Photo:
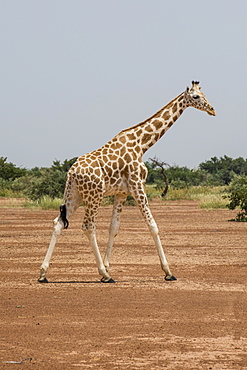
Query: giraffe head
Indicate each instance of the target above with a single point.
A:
(195, 98)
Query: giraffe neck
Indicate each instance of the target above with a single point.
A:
(148, 132)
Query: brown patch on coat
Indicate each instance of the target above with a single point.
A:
(166, 115)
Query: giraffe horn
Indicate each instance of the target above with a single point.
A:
(195, 83)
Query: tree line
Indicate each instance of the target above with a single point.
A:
(38, 182)
(213, 172)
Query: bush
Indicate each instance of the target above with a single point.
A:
(237, 194)
(50, 183)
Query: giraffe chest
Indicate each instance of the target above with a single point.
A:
(125, 179)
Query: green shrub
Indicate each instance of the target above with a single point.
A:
(108, 200)
(51, 182)
(10, 189)
(236, 193)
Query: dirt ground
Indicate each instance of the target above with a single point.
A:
(141, 321)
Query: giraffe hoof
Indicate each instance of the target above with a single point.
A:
(40, 280)
(103, 280)
(170, 278)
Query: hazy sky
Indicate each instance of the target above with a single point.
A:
(74, 73)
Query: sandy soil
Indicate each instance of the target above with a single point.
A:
(141, 322)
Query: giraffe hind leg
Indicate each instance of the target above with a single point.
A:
(89, 228)
(59, 223)
(116, 213)
(58, 226)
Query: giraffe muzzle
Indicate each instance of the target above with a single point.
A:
(211, 111)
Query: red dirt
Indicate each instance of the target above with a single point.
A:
(141, 322)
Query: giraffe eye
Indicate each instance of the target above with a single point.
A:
(196, 96)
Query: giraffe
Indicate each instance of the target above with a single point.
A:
(117, 169)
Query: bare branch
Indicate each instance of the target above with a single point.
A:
(162, 165)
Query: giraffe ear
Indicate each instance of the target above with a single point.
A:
(187, 89)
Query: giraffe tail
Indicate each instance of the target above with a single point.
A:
(63, 212)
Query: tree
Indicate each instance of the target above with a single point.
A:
(9, 171)
(162, 165)
(177, 177)
(225, 168)
(153, 173)
(63, 166)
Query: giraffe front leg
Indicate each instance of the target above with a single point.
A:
(106, 278)
(163, 261)
(142, 202)
(114, 227)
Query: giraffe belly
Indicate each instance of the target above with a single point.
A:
(119, 186)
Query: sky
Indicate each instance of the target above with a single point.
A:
(75, 73)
